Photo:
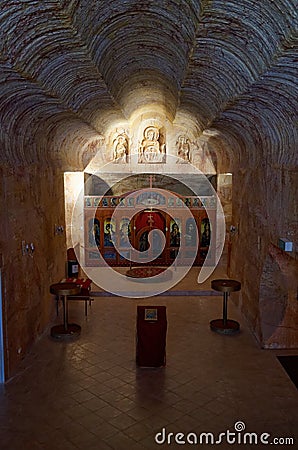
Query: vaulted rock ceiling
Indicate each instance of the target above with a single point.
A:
(72, 68)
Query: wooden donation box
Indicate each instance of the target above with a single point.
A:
(151, 336)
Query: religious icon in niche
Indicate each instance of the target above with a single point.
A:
(88, 202)
(94, 233)
(152, 148)
(125, 233)
(156, 242)
(96, 202)
(191, 235)
(114, 201)
(109, 233)
(174, 237)
(130, 201)
(171, 201)
(148, 198)
(105, 201)
(120, 146)
(174, 233)
(143, 241)
(196, 203)
(205, 233)
(122, 201)
(183, 149)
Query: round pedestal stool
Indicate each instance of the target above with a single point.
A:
(65, 330)
(225, 325)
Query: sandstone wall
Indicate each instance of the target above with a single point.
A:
(265, 209)
(32, 203)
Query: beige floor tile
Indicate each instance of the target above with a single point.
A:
(88, 394)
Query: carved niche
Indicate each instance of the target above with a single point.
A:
(183, 149)
(120, 149)
(152, 148)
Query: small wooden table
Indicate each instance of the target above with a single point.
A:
(66, 329)
(225, 325)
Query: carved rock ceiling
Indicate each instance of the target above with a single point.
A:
(70, 69)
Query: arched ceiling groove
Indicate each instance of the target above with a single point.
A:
(29, 119)
(236, 42)
(130, 40)
(71, 68)
(40, 41)
(267, 113)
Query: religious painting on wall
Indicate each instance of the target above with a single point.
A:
(196, 203)
(175, 236)
(191, 234)
(143, 241)
(114, 201)
(94, 233)
(122, 201)
(175, 226)
(88, 202)
(150, 198)
(130, 201)
(96, 202)
(109, 232)
(152, 148)
(171, 202)
(105, 201)
(124, 233)
(205, 233)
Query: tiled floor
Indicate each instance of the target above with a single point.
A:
(88, 394)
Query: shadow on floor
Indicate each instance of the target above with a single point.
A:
(290, 364)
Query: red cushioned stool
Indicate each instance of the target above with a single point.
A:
(84, 295)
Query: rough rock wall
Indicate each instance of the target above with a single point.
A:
(32, 203)
(265, 209)
(278, 300)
